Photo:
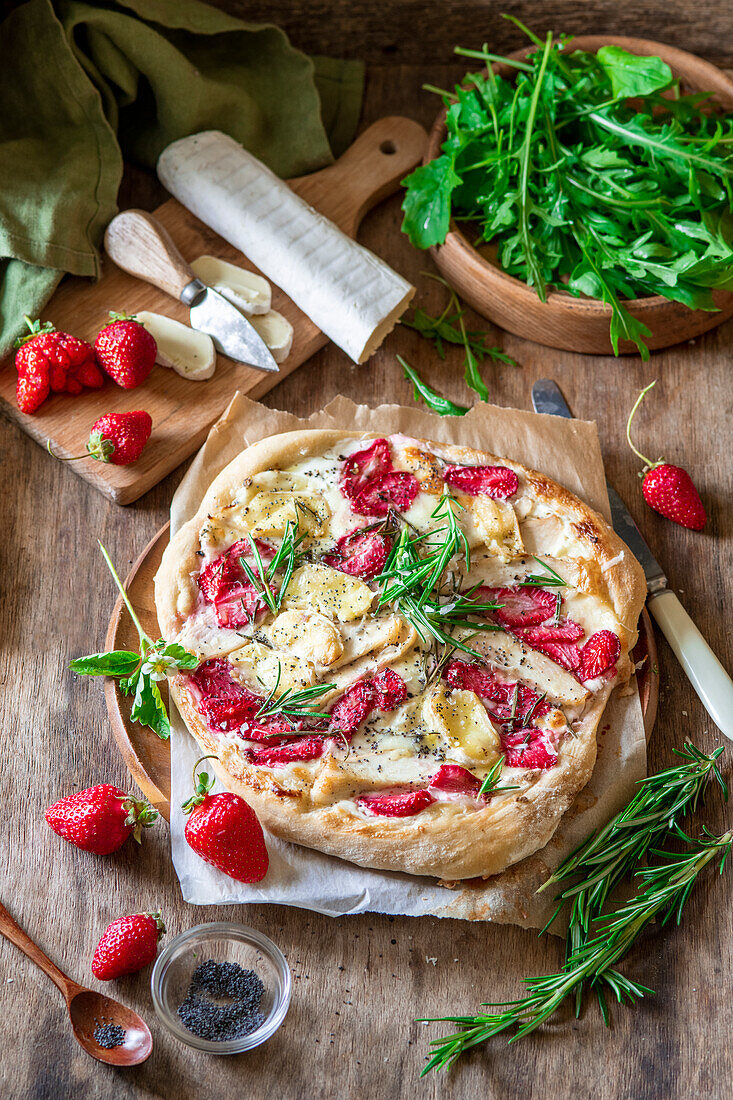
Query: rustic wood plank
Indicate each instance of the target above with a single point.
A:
(359, 982)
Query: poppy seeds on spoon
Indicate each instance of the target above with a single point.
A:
(109, 1035)
(223, 1002)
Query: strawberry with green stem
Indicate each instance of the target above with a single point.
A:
(668, 489)
(139, 673)
(224, 831)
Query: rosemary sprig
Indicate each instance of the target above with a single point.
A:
(665, 889)
(596, 939)
(292, 703)
(284, 559)
(490, 784)
(548, 579)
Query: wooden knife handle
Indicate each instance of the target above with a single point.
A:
(141, 246)
(13, 932)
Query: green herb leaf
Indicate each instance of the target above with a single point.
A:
(631, 75)
(427, 202)
(118, 662)
(433, 400)
(148, 707)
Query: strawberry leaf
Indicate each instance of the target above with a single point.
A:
(181, 656)
(148, 707)
(119, 662)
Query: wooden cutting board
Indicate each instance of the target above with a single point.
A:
(148, 758)
(182, 410)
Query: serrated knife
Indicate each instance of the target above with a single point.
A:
(705, 672)
(138, 244)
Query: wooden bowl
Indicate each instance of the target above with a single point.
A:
(579, 324)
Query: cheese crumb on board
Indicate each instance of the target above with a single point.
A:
(348, 292)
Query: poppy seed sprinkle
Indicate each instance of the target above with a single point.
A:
(223, 1002)
(109, 1035)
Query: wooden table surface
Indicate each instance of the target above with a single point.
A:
(360, 982)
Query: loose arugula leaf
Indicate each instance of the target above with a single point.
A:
(118, 662)
(433, 400)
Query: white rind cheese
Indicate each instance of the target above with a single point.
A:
(247, 291)
(185, 350)
(353, 296)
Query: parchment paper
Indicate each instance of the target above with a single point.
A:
(567, 450)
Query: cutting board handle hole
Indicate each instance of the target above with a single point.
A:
(388, 148)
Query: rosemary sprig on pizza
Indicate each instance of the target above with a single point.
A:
(403, 648)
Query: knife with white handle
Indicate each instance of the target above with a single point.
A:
(141, 246)
(705, 672)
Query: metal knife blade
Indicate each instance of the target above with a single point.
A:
(547, 397)
(230, 330)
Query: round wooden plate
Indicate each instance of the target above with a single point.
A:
(148, 758)
(579, 324)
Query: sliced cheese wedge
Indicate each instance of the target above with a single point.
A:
(328, 591)
(189, 353)
(347, 291)
(507, 654)
(309, 635)
(276, 331)
(247, 291)
(261, 668)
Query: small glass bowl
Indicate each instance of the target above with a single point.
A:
(224, 942)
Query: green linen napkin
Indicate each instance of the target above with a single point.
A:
(84, 85)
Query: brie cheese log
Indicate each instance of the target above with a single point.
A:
(188, 352)
(353, 296)
(248, 292)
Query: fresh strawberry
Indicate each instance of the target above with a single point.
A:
(119, 438)
(353, 708)
(495, 481)
(395, 803)
(224, 831)
(125, 350)
(668, 489)
(565, 630)
(528, 748)
(453, 779)
(127, 945)
(47, 360)
(390, 690)
(598, 655)
(521, 606)
(396, 489)
(100, 819)
(307, 748)
(360, 554)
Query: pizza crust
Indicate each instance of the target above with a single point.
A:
(448, 840)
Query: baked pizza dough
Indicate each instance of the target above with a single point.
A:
(445, 616)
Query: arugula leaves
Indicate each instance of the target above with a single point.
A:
(433, 400)
(585, 176)
(139, 673)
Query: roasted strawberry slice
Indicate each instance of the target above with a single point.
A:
(353, 708)
(216, 578)
(360, 554)
(307, 748)
(396, 489)
(395, 803)
(240, 605)
(469, 677)
(362, 466)
(214, 678)
(228, 714)
(528, 748)
(270, 731)
(495, 481)
(598, 655)
(224, 702)
(521, 606)
(453, 779)
(566, 654)
(390, 690)
(564, 631)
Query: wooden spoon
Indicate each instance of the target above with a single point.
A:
(86, 1008)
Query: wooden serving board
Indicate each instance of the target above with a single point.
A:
(182, 410)
(148, 758)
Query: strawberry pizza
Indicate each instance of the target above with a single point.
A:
(404, 648)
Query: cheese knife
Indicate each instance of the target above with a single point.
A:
(140, 245)
(705, 672)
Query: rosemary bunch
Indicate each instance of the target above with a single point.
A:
(596, 939)
(285, 559)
